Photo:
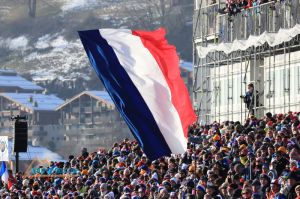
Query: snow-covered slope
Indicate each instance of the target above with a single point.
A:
(47, 47)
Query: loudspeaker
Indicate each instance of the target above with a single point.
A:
(21, 136)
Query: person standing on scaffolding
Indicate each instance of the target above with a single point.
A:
(249, 99)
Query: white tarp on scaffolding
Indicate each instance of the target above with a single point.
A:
(272, 39)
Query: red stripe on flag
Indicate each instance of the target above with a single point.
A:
(168, 61)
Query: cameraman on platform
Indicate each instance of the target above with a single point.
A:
(249, 99)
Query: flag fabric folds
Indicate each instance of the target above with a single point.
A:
(140, 71)
(4, 173)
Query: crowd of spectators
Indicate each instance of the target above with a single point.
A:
(254, 159)
(234, 7)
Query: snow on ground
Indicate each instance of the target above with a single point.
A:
(52, 56)
(59, 43)
(71, 5)
(43, 42)
(61, 60)
(17, 43)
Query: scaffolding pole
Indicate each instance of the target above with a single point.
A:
(274, 76)
(228, 84)
(231, 98)
(219, 89)
(269, 81)
(194, 75)
(241, 87)
(215, 89)
(201, 89)
(289, 77)
(255, 81)
(284, 77)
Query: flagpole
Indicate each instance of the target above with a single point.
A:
(17, 162)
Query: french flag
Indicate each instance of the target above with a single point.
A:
(140, 71)
(4, 173)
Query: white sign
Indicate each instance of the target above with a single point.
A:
(4, 148)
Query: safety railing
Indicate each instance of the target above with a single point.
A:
(205, 21)
(268, 17)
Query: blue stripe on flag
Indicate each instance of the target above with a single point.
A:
(3, 168)
(125, 95)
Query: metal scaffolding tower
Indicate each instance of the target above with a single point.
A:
(220, 78)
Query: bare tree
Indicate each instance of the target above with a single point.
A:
(162, 8)
(174, 15)
(153, 13)
(32, 8)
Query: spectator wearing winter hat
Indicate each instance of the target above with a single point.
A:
(294, 154)
(265, 182)
(256, 187)
(269, 117)
(163, 193)
(174, 183)
(103, 190)
(212, 191)
(275, 188)
(142, 192)
(293, 182)
(200, 191)
(256, 196)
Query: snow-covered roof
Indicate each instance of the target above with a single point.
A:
(102, 95)
(18, 81)
(34, 101)
(7, 71)
(186, 65)
(98, 95)
(36, 152)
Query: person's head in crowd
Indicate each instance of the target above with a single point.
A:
(297, 190)
(264, 180)
(294, 154)
(293, 178)
(223, 189)
(173, 195)
(256, 196)
(256, 186)
(247, 193)
(211, 190)
(163, 193)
